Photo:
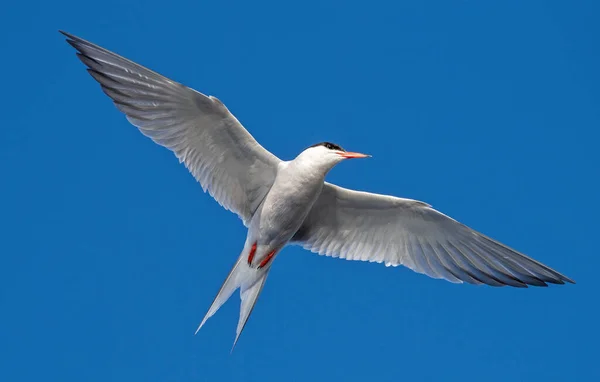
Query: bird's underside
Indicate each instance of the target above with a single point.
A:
(240, 174)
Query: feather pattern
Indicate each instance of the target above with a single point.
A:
(223, 157)
(357, 225)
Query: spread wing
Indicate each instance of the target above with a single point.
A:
(223, 157)
(362, 226)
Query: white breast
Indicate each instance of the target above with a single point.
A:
(286, 205)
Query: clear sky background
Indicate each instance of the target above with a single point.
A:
(111, 253)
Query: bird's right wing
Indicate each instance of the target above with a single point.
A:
(362, 226)
(223, 157)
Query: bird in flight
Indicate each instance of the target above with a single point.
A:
(289, 202)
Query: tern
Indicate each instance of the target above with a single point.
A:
(289, 202)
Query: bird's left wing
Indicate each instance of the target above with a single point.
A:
(363, 226)
(223, 157)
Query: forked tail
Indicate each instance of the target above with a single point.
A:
(249, 295)
(250, 281)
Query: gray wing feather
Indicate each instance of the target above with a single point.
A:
(223, 157)
(362, 226)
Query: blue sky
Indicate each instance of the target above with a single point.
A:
(112, 254)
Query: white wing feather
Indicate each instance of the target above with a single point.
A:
(358, 225)
(225, 159)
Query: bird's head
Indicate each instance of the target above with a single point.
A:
(325, 155)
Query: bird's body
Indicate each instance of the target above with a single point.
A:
(289, 202)
(296, 188)
(297, 185)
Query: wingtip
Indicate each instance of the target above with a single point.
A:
(66, 34)
(570, 281)
(71, 40)
(562, 279)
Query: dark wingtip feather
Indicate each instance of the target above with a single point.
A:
(70, 38)
(561, 280)
(77, 42)
(74, 44)
(88, 61)
(570, 281)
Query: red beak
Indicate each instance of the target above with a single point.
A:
(350, 155)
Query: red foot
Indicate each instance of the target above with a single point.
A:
(266, 260)
(252, 252)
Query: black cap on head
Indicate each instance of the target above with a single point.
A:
(330, 146)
